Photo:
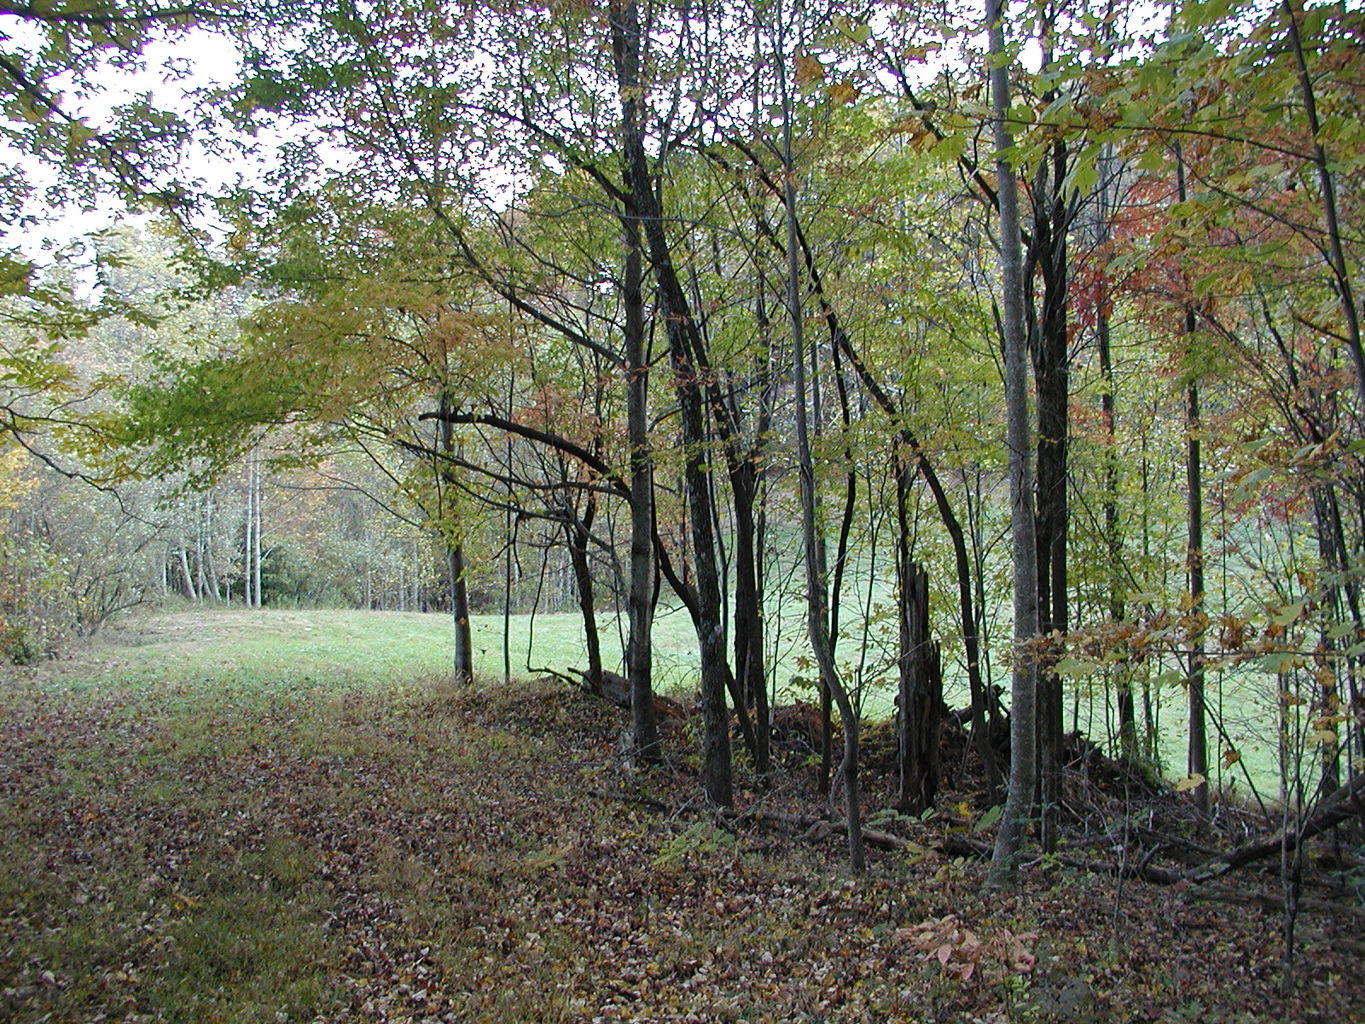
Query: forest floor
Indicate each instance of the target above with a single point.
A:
(175, 846)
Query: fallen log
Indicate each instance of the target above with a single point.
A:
(815, 828)
(1340, 805)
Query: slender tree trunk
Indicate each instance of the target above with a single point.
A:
(817, 611)
(625, 33)
(462, 653)
(200, 553)
(640, 603)
(578, 532)
(1329, 699)
(251, 543)
(187, 574)
(748, 616)
(507, 576)
(1349, 593)
(1198, 753)
(1023, 717)
(1051, 377)
(215, 584)
(1336, 254)
(462, 645)
(1199, 742)
(258, 495)
(746, 483)
(920, 701)
(1113, 527)
(248, 520)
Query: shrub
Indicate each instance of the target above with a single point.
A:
(20, 645)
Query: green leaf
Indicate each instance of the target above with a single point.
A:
(989, 818)
(1289, 614)
(1279, 662)
(858, 31)
(1076, 668)
(1153, 159)
(950, 148)
(14, 276)
(1083, 177)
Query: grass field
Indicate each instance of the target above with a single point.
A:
(332, 649)
(361, 649)
(292, 816)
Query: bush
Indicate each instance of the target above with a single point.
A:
(20, 645)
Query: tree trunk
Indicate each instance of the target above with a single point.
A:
(1113, 526)
(1199, 742)
(748, 617)
(462, 655)
(187, 574)
(625, 38)
(1023, 717)
(578, 532)
(817, 611)
(1198, 753)
(215, 584)
(257, 494)
(640, 602)
(1051, 382)
(1336, 254)
(248, 520)
(920, 700)
(462, 646)
(251, 541)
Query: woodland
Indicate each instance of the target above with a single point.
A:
(981, 389)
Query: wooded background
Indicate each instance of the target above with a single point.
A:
(589, 307)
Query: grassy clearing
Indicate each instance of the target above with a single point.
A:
(245, 655)
(199, 822)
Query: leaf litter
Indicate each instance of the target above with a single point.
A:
(448, 856)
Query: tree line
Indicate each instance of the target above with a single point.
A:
(1034, 335)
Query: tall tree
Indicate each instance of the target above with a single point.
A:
(812, 544)
(1024, 687)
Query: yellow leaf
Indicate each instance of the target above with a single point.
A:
(1189, 782)
(809, 70)
(842, 93)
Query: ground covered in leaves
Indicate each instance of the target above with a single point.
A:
(184, 852)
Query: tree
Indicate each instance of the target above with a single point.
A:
(58, 62)
(1023, 690)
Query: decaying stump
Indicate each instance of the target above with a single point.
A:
(920, 700)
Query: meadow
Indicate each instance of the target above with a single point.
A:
(331, 648)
